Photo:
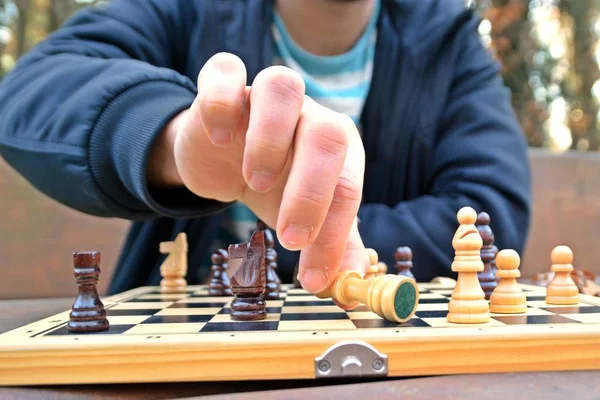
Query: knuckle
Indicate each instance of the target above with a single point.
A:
(267, 147)
(347, 191)
(311, 196)
(329, 240)
(215, 104)
(284, 84)
(329, 138)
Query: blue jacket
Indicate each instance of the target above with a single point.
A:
(79, 114)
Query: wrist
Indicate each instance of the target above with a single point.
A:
(162, 169)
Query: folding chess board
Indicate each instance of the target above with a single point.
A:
(156, 337)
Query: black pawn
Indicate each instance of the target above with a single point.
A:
(487, 277)
(273, 285)
(87, 313)
(219, 283)
(404, 261)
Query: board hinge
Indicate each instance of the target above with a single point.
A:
(351, 359)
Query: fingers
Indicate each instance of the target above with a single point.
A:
(276, 97)
(221, 87)
(322, 196)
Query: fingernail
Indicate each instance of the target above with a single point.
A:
(296, 235)
(220, 136)
(314, 281)
(261, 181)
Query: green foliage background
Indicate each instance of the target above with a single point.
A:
(548, 49)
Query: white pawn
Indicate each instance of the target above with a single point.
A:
(468, 304)
(373, 269)
(562, 289)
(508, 297)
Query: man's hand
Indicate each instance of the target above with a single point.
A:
(297, 165)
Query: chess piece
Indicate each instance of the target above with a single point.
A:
(373, 269)
(392, 297)
(248, 281)
(295, 278)
(404, 263)
(381, 268)
(508, 297)
(562, 290)
(219, 283)
(273, 286)
(174, 268)
(487, 277)
(87, 313)
(468, 304)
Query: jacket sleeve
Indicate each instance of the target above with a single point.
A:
(479, 159)
(80, 112)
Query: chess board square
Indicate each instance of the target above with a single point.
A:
(431, 296)
(308, 303)
(158, 291)
(443, 300)
(207, 299)
(112, 330)
(443, 292)
(177, 319)
(269, 310)
(432, 307)
(534, 319)
(111, 312)
(432, 314)
(363, 315)
(310, 309)
(443, 323)
(236, 326)
(535, 297)
(543, 304)
(127, 319)
(323, 325)
(591, 318)
(574, 310)
(150, 299)
(274, 303)
(384, 323)
(530, 311)
(198, 305)
(189, 311)
(146, 305)
(219, 318)
(298, 292)
(314, 316)
(165, 329)
(361, 308)
(162, 296)
(310, 298)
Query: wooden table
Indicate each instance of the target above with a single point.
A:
(549, 386)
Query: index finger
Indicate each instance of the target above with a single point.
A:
(335, 247)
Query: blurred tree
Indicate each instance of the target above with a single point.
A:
(580, 15)
(548, 57)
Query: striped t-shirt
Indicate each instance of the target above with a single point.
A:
(340, 83)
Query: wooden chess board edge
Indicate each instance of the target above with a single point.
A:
(167, 363)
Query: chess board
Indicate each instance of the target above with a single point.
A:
(156, 337)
